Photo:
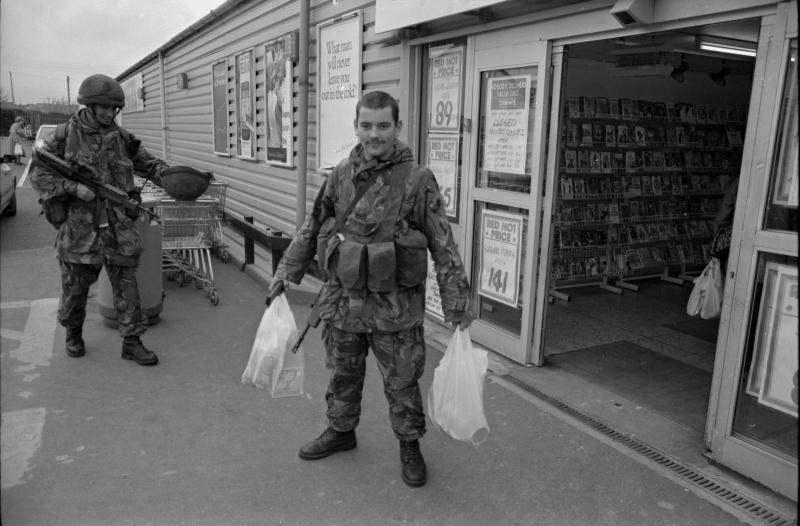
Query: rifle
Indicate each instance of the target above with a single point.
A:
(312, 320)
(76, 173)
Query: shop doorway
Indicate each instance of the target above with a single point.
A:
(651, 135)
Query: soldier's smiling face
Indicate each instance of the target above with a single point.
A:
(376, 130)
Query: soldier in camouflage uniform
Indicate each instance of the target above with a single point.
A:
(92, 232)
(374, 294)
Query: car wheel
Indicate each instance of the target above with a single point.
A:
(11, 209)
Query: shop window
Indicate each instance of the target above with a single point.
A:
(498, 269)
(766, 407)
(507, 111)
(782, 198)
(442, 111)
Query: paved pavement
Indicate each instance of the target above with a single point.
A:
(102, 441)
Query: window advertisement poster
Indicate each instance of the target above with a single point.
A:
(501, 247)
(219, 104)
(506, 138)
(134, 93)
(443, 162)
(446, 83)
(778, 382)
(245, 106)
(280, 125)
(339, 78)
(433, 302)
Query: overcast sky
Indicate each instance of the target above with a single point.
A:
(44, 41)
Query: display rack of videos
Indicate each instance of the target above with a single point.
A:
(640, 183)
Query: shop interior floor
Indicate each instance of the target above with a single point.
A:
(667, 386)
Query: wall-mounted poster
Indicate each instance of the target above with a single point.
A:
(339, 79)
(501, 247)
(245, 106)
(443, 162)
(506, 138)
(280, 125)
(219, 105)
(445, 86)
(134, 93)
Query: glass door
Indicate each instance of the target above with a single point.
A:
(752, 423)
(506, 165)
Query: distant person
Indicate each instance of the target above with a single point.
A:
(374, 295)
(18, 134)
(723, 225)
(98, 233)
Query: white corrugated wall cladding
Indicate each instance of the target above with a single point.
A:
(255, 188)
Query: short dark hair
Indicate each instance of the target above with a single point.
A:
(376, 100)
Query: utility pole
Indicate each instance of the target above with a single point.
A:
(11, 79)
(68, 102)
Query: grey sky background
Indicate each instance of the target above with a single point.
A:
(44, 41)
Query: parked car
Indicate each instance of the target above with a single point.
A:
(8, 191)
(42, 133)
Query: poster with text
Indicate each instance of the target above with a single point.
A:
(280, 125)
(501, 246)
(506, 132)
(339, 78)
(445, 74)
(443, 162)
(219, 104)
(433, 302)
(245, 106)
(778, 388)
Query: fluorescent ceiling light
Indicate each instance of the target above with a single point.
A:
(725, 45)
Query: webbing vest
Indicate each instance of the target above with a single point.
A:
(371, 250)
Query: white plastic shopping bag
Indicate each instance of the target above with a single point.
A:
(272, 365)
(455, 399)
(18, 150)
(706, 297)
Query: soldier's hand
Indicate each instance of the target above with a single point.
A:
(465, 321)
(276, 288)
(83, 192)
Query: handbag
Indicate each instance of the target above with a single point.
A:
(455, 399)
(705, 300)
(272, 365)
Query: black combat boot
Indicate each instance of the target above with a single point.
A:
(330, 441)
(414, 472)
(75, 346)
(133, 349)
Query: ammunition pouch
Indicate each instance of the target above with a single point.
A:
(411, 249)
(381, 267)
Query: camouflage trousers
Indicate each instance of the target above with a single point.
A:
(401, 361)
(76, 278)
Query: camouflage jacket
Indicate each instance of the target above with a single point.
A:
(113, 152)
(422, 208)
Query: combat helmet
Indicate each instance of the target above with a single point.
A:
(101, 89)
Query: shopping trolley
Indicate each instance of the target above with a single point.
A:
(216, 194)
(187, 239)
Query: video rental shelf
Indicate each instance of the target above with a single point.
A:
(640, 183)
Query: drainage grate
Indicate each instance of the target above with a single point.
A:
(727, 496)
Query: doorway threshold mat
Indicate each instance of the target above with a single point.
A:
(697, 327)
(667, 386)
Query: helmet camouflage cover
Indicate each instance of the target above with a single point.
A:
(101, 89)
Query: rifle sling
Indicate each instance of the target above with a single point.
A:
(360, 191)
